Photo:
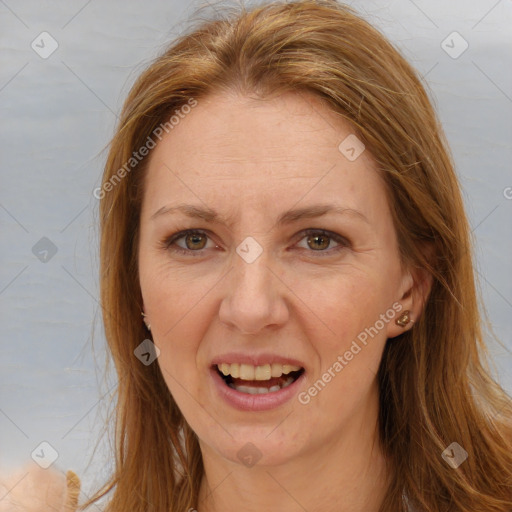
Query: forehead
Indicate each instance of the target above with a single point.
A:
(253, 131)
(242, 153)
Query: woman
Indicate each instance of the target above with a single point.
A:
(280, 204)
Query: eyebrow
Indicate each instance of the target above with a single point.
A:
(210, 215)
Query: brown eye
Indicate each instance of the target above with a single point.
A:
(195, 241)
(322, 242)
(188, 242)
(318, 242)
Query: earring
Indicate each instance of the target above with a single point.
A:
(148, 326)
(404, 319)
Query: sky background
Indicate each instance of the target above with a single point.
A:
(57, 114)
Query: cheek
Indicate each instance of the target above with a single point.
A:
(340, 305)
(347, 335)
(348, 346)
(180, 313)
(178, 337)
(174, 296)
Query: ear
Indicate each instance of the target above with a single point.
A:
(413, 295)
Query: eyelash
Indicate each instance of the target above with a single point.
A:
(167, 242)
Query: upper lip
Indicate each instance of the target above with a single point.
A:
(255, 359)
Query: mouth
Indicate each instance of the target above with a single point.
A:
(258, 380)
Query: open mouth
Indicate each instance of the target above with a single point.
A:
(265, 383)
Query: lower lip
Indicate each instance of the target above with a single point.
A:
(247, 402)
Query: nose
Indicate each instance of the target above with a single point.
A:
(254, 297)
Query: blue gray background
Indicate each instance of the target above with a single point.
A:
(56, 117)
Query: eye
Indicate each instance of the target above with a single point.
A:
(319, 241)
(194, 241)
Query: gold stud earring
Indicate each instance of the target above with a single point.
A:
(403, 319)
(148, 326)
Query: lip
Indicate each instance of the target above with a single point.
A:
(255, 359)
(247, 402)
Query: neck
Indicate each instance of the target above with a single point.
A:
(345, 474)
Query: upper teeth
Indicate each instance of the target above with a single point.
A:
(250, 372)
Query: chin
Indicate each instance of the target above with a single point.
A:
(252, 446)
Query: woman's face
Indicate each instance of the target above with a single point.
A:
(294, 264)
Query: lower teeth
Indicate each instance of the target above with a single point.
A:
(260, 390)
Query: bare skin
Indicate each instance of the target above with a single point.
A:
(251, 160)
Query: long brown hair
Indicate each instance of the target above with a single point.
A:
(435, 387)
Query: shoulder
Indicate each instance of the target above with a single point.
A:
(33, 489)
